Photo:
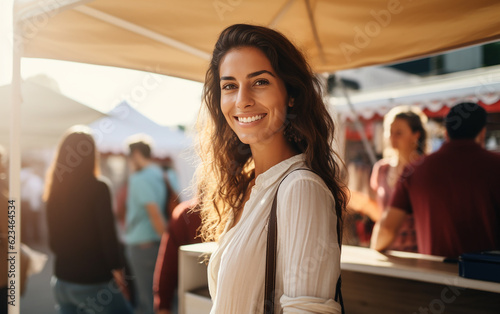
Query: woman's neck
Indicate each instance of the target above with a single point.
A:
(405, 157)
(270, 154)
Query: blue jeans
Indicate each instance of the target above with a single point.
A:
(102, 298)
(142, 260)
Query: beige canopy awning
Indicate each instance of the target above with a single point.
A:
(46, 114)
(176, 37)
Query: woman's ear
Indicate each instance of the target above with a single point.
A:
(290, 102)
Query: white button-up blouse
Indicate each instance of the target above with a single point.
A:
(308, 254)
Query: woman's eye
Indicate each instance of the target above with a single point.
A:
(262, 82)
(228, 87)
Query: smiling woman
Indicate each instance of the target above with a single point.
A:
(266, 119)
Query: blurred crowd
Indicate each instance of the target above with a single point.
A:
(119, 254)
(111, 254)
(446, 203)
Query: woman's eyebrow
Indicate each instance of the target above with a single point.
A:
(227, 78)
(253, 74)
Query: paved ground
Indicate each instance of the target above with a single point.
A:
(38, 298)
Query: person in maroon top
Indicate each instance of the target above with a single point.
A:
(181, 231)
(454, 194)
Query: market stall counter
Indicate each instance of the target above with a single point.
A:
(372, 282)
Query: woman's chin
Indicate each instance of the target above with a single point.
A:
(247, 139)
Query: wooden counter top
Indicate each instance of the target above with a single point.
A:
(419, 267)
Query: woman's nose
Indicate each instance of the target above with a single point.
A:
(244, 98)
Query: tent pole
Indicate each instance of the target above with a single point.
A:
(15, 165)
(357, 123)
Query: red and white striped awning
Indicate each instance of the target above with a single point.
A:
(433, 95)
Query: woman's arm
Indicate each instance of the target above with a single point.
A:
(386, 229)
(156, 217)
(308, 248)
(362, 202)
(166, 271)
(119, 276)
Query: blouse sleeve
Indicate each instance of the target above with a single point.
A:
(308, 250)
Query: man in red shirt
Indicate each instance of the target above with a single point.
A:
(454, 194)
(181, 230)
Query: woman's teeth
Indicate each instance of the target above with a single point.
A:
(250, 119)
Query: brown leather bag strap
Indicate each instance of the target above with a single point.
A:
(271, 252)
(272, 238)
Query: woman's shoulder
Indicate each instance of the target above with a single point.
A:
(302, 173)
(304, 188)
(385, 163)
(303, 177)
(102, 183)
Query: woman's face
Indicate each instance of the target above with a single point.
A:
(253, 98)
(402, 137)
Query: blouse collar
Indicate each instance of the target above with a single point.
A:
(272, 174)
(265, 180)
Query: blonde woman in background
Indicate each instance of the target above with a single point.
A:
(404, 128)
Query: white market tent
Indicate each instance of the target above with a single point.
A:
(46, 114)
(111, 134)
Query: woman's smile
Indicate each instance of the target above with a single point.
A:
(246, 120)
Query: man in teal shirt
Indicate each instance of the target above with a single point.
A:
(145, 220)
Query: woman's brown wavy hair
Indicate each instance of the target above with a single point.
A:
(227, 167)
(76, 161)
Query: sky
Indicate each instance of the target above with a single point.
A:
(165, 100)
